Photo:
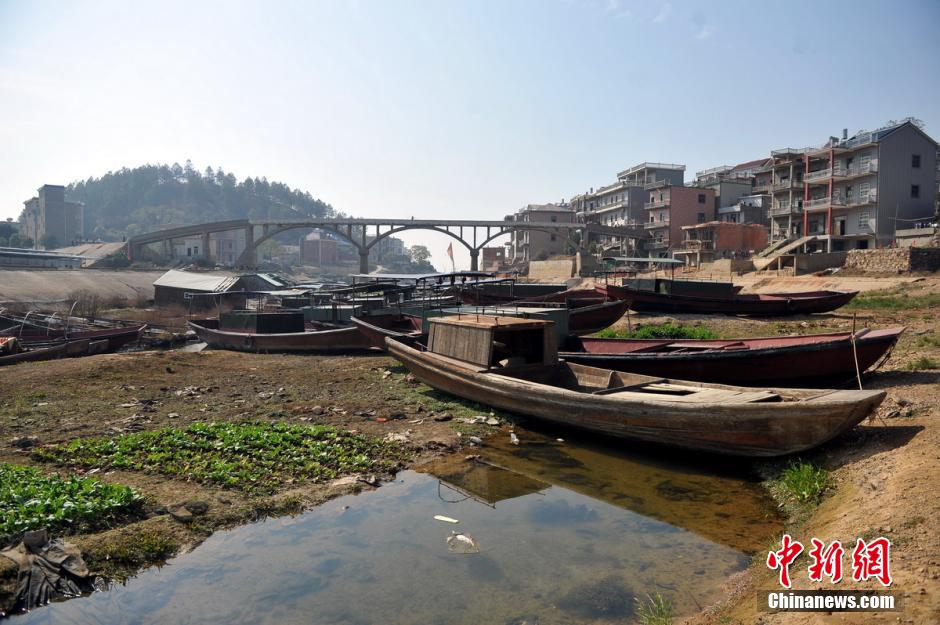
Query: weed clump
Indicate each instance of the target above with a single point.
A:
(659, 331)
(804, 482)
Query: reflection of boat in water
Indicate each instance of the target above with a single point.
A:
(724, 508)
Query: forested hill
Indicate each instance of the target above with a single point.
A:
(134, 201)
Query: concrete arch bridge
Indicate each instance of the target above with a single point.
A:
(363, 234)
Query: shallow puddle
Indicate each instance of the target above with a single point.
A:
(551, 533)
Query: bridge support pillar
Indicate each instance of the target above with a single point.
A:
(475, 260)
(205, 246)
(250, 256)
(363, 261)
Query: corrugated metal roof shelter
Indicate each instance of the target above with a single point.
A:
(171, 288)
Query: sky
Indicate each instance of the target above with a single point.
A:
(446, 109)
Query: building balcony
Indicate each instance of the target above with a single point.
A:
(789, 183)
(784, 208)
(656, 184)
(815, 177)
(658, 244)
(698, 244)
(652, 225)
(842, 201)
(656, 204)
(857, 171)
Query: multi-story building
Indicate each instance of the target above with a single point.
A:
(319, 250)
(493, 258)
(51, 221)
(784, 183)
(859, 190)
(622, 202)
(717, 239)
(527, 245)
(748, 209)
(671, 207)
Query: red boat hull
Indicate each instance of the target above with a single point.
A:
(808, 360)
(401, 327)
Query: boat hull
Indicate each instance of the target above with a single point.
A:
(595, 317)
(376, 328)
(752, 429)
(809, 361)
(338, 340)
(772, 305)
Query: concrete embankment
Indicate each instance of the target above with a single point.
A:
(59, 285)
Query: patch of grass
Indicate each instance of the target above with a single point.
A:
(923, 363)
(254, 456)
(892, 300)
(30, 500)
(929, 340)
(654, 611)
(134, 548)
(804, 482)
(659, 331)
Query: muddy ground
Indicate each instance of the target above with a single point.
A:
(885, 472)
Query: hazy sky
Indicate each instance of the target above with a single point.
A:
(446, 109)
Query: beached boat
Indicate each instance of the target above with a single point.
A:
(809, 359)
(37, 327)
(769, 305)
(595, 317)
(310, 337)
(377, 327)
(14, 353)
(571, 297)
(312, 340)
(512, 364)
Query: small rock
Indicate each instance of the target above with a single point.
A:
(513, 438)
(492, 421)
(901, 401)
(476, 440)
(411, 379)
(446, 416)
(420, 408)
(173, 415)
(181, 514)
(317, 410)
(24, 442)
(197, 507)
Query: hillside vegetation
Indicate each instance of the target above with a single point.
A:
(134, 201)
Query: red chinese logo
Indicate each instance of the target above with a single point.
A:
(784, 558)
(826, 561)
(872, 560)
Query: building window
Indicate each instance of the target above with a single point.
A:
(863, 220)
(915, 191)
(553, 237)
(915, 161)
(554, 218)
(701, 198)
(701, 218)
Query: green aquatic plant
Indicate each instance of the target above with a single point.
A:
(656, 610)
(31, 500)
(804, 481)
(254, 456)
(667, 330)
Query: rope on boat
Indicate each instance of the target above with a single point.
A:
(858, 373)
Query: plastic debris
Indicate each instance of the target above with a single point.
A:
(445, 519)
(492, 421)
(462, 544)
(47, 570)
(513, 438)
(560, 440)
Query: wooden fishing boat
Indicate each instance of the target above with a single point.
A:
(809, 359)
(43, 327)
(512, 364)
(595, 317)
(377, 327)
(770, 305)
(314, 338)
(573, 298)
(51, 351)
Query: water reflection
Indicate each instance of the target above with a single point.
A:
(566, 534)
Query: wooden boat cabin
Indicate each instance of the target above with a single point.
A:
(492, 341)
